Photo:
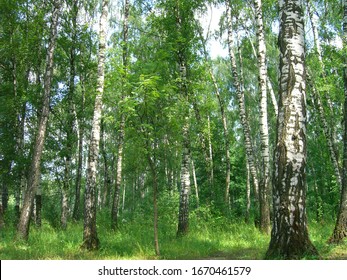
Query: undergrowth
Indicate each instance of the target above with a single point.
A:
(210, 237)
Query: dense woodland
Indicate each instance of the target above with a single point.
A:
(141, 129)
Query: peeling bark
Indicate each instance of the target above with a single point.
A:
(289, 236)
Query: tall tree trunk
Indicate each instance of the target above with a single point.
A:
(264, 187)
(340, 230)
(289, 236)
(69, 149)
(241, 101)
(105, 193)
(248, 194)
(64, 195)
(268, 81)
(152, 165)
(90, 237)
(76, 209)
(183, 216)
(116, 196)
(22, 167)
(38, 205)
(121, 131)
(35, 171)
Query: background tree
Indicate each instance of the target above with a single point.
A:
(34, 175)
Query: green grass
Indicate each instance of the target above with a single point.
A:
(209, 238)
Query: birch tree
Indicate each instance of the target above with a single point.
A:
(90, 237)
(264, 186)
(35, 171)
(289, 236)
(239, 88)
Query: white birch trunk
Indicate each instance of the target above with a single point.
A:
(289, 237)
(241, 102)
(90, 238)
(264, 187)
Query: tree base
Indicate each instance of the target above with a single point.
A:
(291, 251)
(91, 244)
(338, 236)
(340, 230)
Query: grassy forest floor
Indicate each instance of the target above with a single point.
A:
(209, 238)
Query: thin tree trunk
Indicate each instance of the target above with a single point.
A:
(34, 174)
(123, 198)
(195, 184)
(105, 193)
(76, 209)
(20, 152)
(64, 195)
(90, 237)
(38, 206)
(264, 187)
(241, 101)
(248, 194)
(340, 230)
(268, 82)
(116, 197)
(70, 121)
(204, 147)
(121, 131)
(289, 236)
(183, 216)
(155, 204)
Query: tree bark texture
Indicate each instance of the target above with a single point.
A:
(90, 237)
(183, 215)
(264, 186)
(35, 171)
(289, 236)
(241, 102)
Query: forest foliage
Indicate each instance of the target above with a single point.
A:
(173, 147)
